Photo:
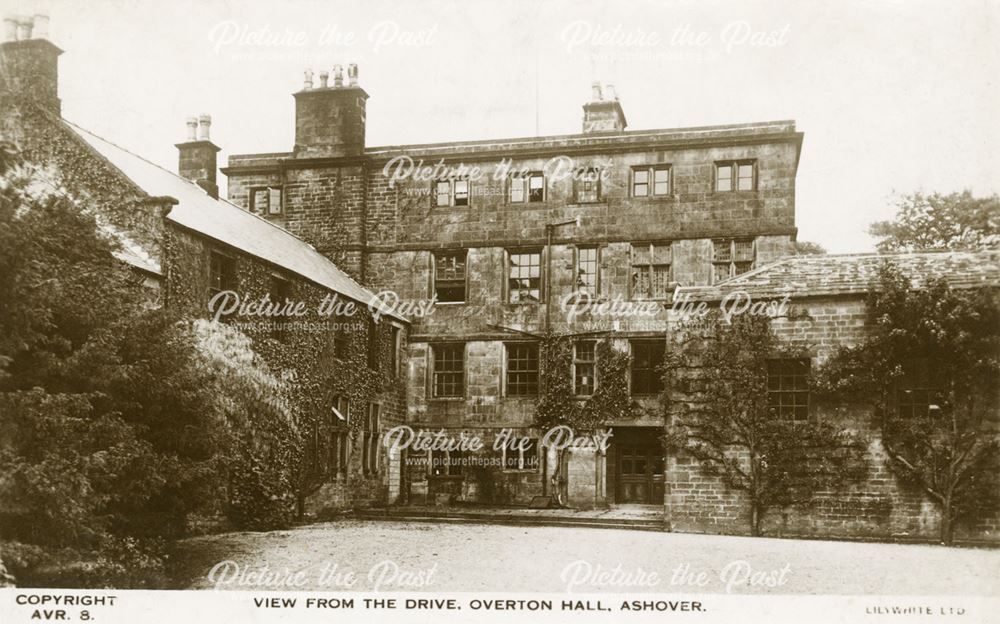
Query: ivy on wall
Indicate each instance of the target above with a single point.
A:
(558, 406)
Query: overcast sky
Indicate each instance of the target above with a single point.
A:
(892, 96)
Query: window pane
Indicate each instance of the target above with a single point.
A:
(586, 185)
(660, 281)
(746, 177)
(522, 369)
(449, 277)
(722, 250)
(461, 192)
(647, 357)
(724, 178)
(274, 201)
(536, 188)
(788, 388)
(640, 182)
(258, 200)
(586, 270)
(524, 281)
(449, 370)
(443, 193)
(584, 367)
(516, 189)
(661, 181)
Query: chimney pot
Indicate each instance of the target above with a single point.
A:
(192, 127)
(307, 82)
(24, 29)
(338, 76)
(204, 127)
(611, 92)
(595, 90)
(198, 155)
(352, 74)
(324, 79)
(41, 26)
(10, 29)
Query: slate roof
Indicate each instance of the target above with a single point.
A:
(852, 274)
(225, 222)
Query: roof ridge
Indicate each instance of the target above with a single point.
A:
(218, 199)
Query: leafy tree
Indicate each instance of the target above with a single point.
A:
(716, 389)
(940, 348)
(936, 222)
(119, 422)
(806, 248)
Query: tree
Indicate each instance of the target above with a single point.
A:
(930, 368)
(119, 420)
(936, 222)
(806, 248)
(717, 391)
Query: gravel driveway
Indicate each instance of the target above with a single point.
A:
(414, 556)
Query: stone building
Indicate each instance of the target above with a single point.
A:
(490, 248)
(498, 233)
(825, 308)
(190, 245)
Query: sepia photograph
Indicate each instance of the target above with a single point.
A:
(526, 311)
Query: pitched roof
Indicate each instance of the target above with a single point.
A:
(225, 222)
(852, 274)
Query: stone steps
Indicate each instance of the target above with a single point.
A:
(511, 518)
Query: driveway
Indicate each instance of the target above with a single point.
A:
(361, 555)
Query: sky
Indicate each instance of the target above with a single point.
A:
(893, 96)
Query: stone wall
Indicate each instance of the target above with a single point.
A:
(878, 506)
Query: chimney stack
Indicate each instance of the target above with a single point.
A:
(603, 115)
(330, 120)
(29, 62)
(197, 155)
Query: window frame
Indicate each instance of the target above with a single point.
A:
(508, 266)
(435, 353)
(339, 451)
(917, 377)
(597, 268)
(521, 463)
(435, 258)
(776, 396)
(268, 207)
(732, 261)
(578, 362)
(453, 199)
(648, 269)
(530, 388)
(522, 181)
(657, 380)
(370, 460)
(578, 181)
(228, 269)
(734, 166)
(453, 470)
(650, 171)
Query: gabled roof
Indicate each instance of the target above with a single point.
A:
(852, 274)
(227, 223)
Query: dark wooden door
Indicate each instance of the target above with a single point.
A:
(640, 473)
